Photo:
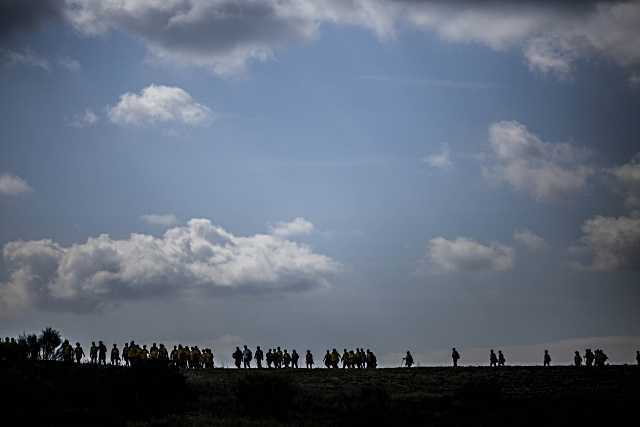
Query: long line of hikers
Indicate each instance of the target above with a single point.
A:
(192, 357)
(279, 358)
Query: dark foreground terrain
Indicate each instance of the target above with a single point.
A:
(54, 394)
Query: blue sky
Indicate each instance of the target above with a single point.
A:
(390, 174)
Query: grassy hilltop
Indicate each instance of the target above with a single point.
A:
(55, 394)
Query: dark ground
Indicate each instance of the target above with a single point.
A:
(54, 394)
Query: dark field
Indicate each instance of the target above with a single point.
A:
(54, 394)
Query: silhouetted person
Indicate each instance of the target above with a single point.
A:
(577, 359)
(345, 358)
(408, 359)
(335, 358)
(601, 358)
(237, 357)
(455, 356)
(93, 353)
(246, 357)
(589, 357)
(269, 358)
(327, 359)
(309, 359)
(115, 356)
(638, 357)
(78, 352)
(259, 356)
(125, 354)
(102, 353)
(493, 359)
(294, 359)
(501, 358)
(372, 361)
(547, 358)
(286, 358)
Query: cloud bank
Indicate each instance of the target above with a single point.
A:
(544, 170)
(225, 35)
(464, 254)
(198, 257)
(157, 103)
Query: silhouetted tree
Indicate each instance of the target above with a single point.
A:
(49, 340)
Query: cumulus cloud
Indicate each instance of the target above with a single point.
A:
(530, 240)
(158, 103)
(439, 160)
(12, 185)
(464, 254)
(296, 227)
(628, 175)
(611, 243)
(165, 220)
(197, 257)
(544, 170)
(86, 119)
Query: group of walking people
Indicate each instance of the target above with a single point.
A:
(192, 357)
(281, 358)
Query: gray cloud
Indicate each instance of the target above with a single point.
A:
(464, 254)
(26, 15)
(199, 257)
(628, 176)
(225, 35)
(24, 57)
(611, 244)
(542, 169)
(530, 240)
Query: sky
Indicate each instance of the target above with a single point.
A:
(389, 174)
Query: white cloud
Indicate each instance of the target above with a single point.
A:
(70, 64)
(553, 35)
(25, 57)
(157, 103)
(542, 169)
(12, 185)
(530, 240)
(86, 119)
(198, 257)
(165, 220)
(611, 243)
(296, 227)
(464, 254)
(628, 175)
(439, 160)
